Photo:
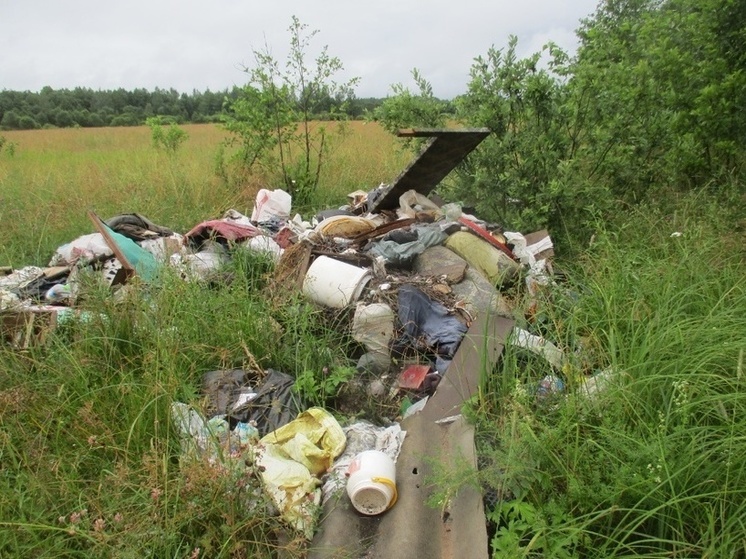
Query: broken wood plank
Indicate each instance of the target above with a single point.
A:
(444, 151)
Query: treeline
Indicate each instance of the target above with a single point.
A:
(85, 107)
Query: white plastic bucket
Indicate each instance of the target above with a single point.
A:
(333, 283)
(372, 482)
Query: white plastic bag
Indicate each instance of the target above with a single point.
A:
(271, 203)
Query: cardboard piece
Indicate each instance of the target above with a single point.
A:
(31, 326)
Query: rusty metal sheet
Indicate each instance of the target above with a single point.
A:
(443, 152)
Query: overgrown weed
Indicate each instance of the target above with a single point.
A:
(90, 460)
(645, 466)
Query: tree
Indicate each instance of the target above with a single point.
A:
(271, 118)
(411, 110)
(169, 139)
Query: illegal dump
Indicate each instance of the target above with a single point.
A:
(338, 420)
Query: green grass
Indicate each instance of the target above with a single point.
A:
(90, 463)
(651, 466)
(86, 422)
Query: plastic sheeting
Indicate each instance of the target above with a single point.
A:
(268, 403)
(402, 254)
(291, 461)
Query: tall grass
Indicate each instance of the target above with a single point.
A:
(56, 175)
(652, 465)
(90, 461)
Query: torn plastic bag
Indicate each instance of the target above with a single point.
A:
(314, 439)
(291, 461)
(271, 203)
(412, 202)
(137, 227)
(402, 254)
(90, 247)
(423, 318)
(269, 403)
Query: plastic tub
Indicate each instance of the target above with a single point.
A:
(372, 482)
(334, 283)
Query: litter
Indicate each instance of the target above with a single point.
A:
(418, 282)
(371, 483)
(292, 458)
(333, 283)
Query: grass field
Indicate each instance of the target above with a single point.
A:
(651, 466)
(56, 175)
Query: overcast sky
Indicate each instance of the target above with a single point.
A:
(191, 44)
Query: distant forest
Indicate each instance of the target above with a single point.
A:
(65, 108)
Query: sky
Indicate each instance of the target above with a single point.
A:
(195, 45)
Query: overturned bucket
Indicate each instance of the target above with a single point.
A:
(334, 283)
(372, 482)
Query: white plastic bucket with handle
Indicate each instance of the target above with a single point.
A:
(333, 283)
(371, 485)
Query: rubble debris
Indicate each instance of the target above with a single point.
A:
(438, 261)
(429, 284)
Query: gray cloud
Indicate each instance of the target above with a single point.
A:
(197, 45)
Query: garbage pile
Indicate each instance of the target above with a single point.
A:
(416, 274)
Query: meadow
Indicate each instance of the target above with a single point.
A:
(56, 175)
(649, 466)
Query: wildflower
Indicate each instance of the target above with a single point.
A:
(99, 524)
(76, 516)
